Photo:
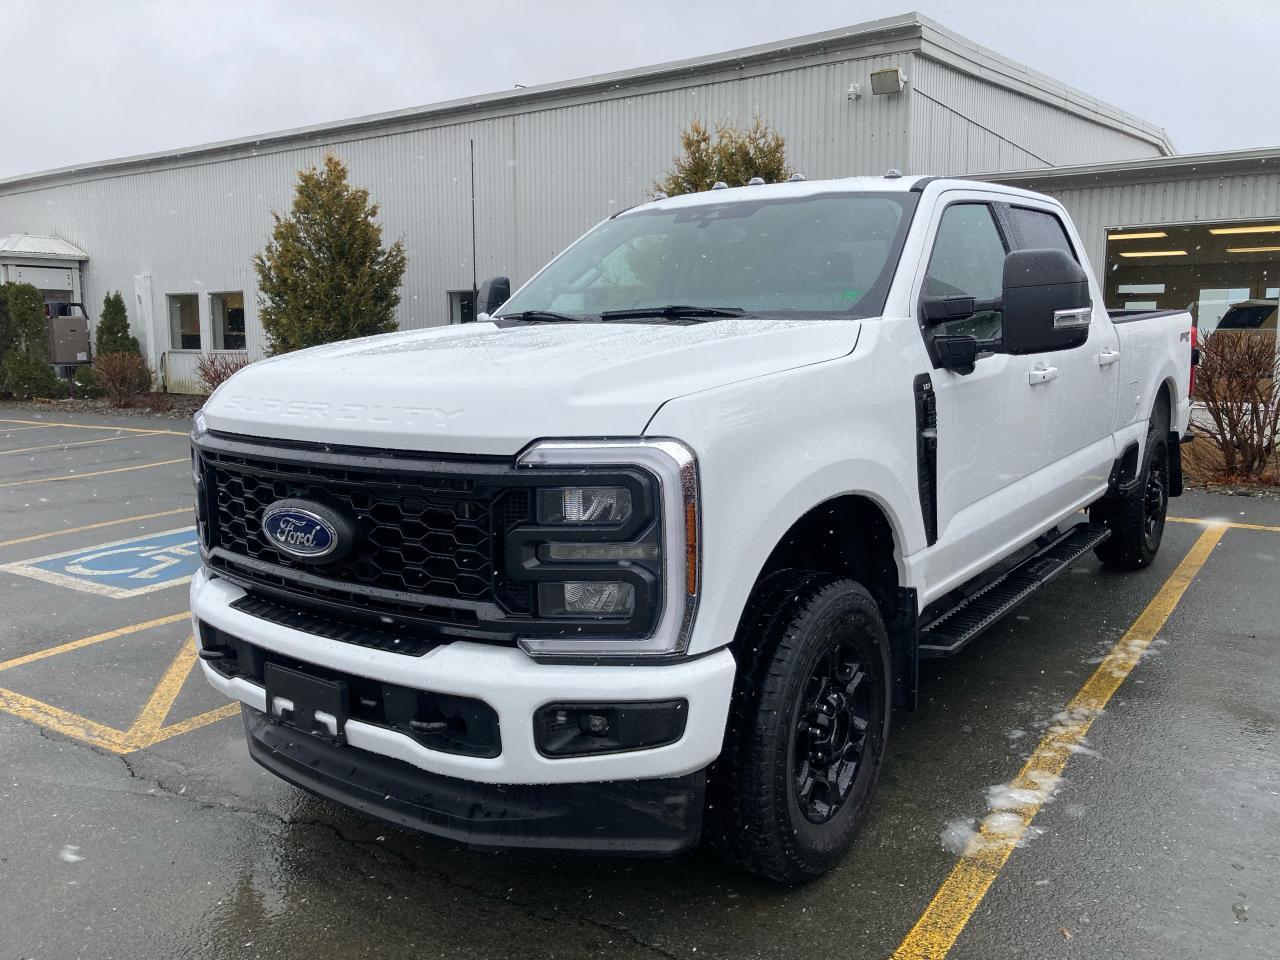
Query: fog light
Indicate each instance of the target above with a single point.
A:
(587, 599)
(575, 729)
(584, 505)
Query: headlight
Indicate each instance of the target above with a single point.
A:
(584, 505)
(613, 549)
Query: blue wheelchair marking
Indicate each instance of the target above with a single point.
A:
(123, 568)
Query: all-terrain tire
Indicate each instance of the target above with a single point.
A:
(807, 727)
(1137, 518)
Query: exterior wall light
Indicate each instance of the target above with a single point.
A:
(887, 81)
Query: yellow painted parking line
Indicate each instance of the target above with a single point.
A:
(90, 426)
(151, 718)
(1226, 523)
(76, 443)
(147, 729)
(90, 641)
(8, 430)
(61, 721)
(95, 473)
(95, 526)
(948, 913)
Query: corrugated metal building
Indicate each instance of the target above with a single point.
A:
(176, 231)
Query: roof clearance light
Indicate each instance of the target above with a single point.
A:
(1253, 249)
(1153, 253)
(1152, 235)
(1228, 231)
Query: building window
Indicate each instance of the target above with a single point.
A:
(227, 310)
(184, 321)
(1210, 268)
(462, 306)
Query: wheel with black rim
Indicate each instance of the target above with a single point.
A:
(807, 730)
(1137, 518)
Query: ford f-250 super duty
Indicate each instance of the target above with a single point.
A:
(649, 553)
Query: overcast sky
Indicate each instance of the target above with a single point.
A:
(88, 80)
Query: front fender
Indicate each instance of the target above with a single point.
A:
(771, 449)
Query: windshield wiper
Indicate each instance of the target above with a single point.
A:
(673, 311)
(539, 316)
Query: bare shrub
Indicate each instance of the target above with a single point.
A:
(1237, 384)
(124, 377)
(213, 368)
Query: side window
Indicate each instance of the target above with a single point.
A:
(1041, 230)
(967, 261)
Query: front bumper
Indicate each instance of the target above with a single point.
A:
(646, 817)
(507, 680)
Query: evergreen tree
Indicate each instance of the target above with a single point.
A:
(22, 326)
(112, 335)
(733, 156)
(324, 275)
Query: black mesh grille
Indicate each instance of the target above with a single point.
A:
(421, 535)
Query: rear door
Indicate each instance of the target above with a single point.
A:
(1084, 380)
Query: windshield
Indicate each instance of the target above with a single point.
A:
(828, 254)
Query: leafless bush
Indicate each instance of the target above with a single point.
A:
(1237, 384)
(213, 368)
(124, 377)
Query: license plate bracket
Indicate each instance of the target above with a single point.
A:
(310, 704)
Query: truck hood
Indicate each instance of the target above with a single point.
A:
(488, 390)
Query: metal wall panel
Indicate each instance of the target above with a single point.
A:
(543, 175)
(962, 124)
(541, 179)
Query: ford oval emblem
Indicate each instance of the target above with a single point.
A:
(306, 530)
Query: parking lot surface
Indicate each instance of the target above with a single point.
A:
(1127, 722)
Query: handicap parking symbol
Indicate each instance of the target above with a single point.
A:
(121, 569)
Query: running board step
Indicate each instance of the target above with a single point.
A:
(948, 633)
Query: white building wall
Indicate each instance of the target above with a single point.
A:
(542, 178)
(961, 124)
(547, 168)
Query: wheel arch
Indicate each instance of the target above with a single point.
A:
(853, 535)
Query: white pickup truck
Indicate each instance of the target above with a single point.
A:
(650, 552)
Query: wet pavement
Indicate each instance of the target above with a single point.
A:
(134, 823)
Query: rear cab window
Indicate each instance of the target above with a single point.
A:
(1041, 230)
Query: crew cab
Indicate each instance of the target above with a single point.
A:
(650, 553)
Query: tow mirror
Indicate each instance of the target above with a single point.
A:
(494, 292)
(956, 353)
(1046, 302)
(942, 309)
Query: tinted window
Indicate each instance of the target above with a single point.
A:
(1041, 231)
(968, 261)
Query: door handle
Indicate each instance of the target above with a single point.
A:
(1107, 357)
(1042, 375)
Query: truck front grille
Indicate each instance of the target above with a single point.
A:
(428, 531)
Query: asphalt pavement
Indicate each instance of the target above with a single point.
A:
(134, 824)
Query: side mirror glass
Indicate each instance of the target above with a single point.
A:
(1046, 302)
(494, 292)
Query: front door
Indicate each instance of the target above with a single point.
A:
(1004, 429)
